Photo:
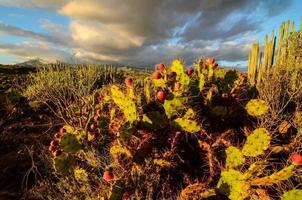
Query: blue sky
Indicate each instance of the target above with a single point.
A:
(139, 33)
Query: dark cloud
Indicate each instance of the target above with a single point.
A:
(144, 32)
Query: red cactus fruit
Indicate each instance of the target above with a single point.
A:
(204, 66)
(160, 67)
(177, 86)
(156, 75)
(54, 143)
(129, 82)
(58, 135)
(52, 148)
(57, 152)
(211, 61)
(296, 158)
(108, 176)
(190, 71)
(62, 130)
(161, 95)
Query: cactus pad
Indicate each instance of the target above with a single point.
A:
(80, 174)
(173, 107)
(63, 163)
(294, 194)
(69, 143)
(162, 163)
(233, 184)
(116, 150)
(188, 125)
(282, 175)
(234, 157)
(181, 77)
(256, 107)
(257, 142)
(201, 82)
(125, 103)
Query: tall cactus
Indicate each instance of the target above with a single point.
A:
(274, 56)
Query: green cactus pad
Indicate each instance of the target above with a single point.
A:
(256, 143)
(181, 77)
(80, 174)
(159, 83)
(282, 175)
(188, 125)
(146, 119)
(63, 163)
(125, 103)
(233, 184)
(173, 107)
(69, 143)
(190, 114)
(116, 150)
(256, 107)
(201, 82)
(294, 194)
(255, 169)
(234, 157)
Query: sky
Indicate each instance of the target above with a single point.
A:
(138, 32)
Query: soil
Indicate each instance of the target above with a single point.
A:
(24, 136)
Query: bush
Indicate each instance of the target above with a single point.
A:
(64, 88)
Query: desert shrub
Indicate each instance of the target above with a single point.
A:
(184, 133)
(63, 88)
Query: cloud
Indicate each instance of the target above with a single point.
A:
(33, 3)
(145, 32)
(28, 50)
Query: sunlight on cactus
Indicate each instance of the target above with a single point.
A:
(233, 184)
(125, 103)
(256, 107)
(80, 174)
(294, 194)
(257, 142)
(234, 157)
(120, 150)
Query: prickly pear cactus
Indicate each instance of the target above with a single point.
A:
(63, 163)
(181, 77)
(162, 163)
(233, 184)
(256, 107)
(257, 142)
(283, 174)
(294, 194)
(80, 174)
(125, 103)
(173, 106)
(201, 82)
(234, 157)
(188, 125)
(69, 143)
(116, 150)
(255, 169)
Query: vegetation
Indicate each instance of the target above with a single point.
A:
(198, 133)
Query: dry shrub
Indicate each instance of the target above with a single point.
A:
(59, 87)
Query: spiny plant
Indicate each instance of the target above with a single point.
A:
(163, 137)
